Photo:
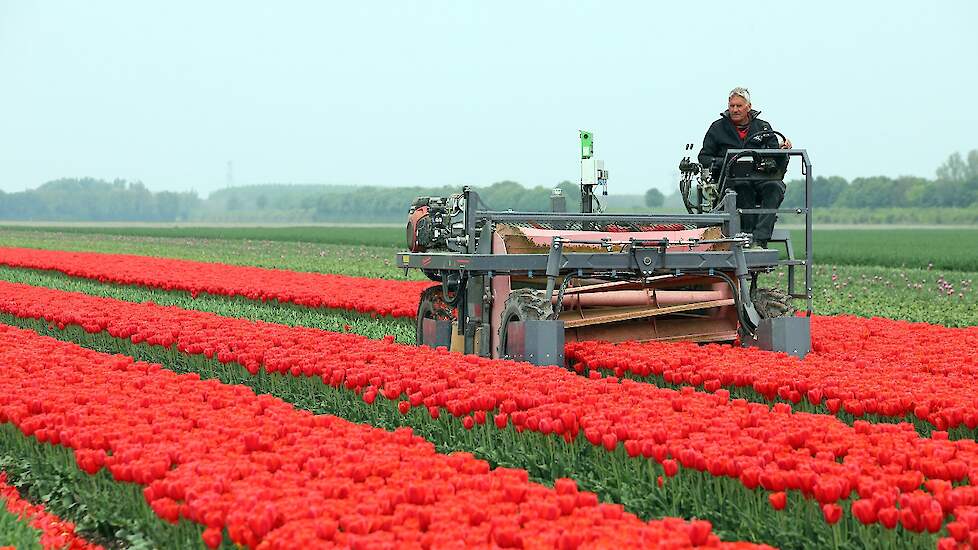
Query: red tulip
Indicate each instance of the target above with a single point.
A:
(699, 532)
(864, 511)
(958, 530)
(831, 513)
(212, 537)
(501, 420)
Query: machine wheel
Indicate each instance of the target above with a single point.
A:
(772, 303)
(431, 306)
(523, 304)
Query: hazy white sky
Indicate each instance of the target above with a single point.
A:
(465, 92)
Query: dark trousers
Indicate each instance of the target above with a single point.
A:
(761, 194)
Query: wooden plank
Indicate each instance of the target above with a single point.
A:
(644, 312)
(657, 282)
(603, 287)
(700, 338)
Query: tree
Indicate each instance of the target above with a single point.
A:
(878, 192)
(957, 180)
(957, 170)
(825, 191)
(90, 199)
(654, 198)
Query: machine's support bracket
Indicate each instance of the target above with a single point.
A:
(744, 283)
(791, 335)
(485, 237)
(536, 341)
(730, 207)
(553, 265)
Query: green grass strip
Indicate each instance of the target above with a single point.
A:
(943, 248)
(736, 512)
(367, 235)
(17, 532)
(96, 504)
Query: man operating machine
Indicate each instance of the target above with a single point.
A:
(740, 128)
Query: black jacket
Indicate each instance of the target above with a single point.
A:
(722, 135)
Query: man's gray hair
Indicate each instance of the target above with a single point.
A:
(742, 92)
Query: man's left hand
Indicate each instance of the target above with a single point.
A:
(786, 144)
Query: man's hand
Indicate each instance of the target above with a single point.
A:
(786, 144)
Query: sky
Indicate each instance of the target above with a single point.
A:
(401, 93)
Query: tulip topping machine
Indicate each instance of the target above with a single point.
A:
(519, 285)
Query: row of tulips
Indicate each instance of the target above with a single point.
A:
(271, 476)
(879, 369)
(55, 533)
(715, 445)
(370, 296)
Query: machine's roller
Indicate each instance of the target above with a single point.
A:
(696, 308)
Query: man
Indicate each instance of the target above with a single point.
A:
(735, 130)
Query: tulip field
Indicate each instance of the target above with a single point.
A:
(156, 400)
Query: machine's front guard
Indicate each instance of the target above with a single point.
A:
(477, 265)
(641, 261)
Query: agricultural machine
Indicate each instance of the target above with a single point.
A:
(519, 285)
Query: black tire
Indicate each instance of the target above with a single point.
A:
(523, 304)
(772, 303)
(431, 306)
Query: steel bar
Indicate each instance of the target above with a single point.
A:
(646, 260)
(772, 210)
(509, 216)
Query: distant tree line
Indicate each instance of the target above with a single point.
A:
(89, 199)
(321, 203)
(393, 203)
(956, 186)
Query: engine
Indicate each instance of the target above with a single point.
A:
(436, 223)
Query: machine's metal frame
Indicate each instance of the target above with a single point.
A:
(472, 268)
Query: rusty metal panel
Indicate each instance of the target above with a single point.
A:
(436, 333)
(537, 342)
